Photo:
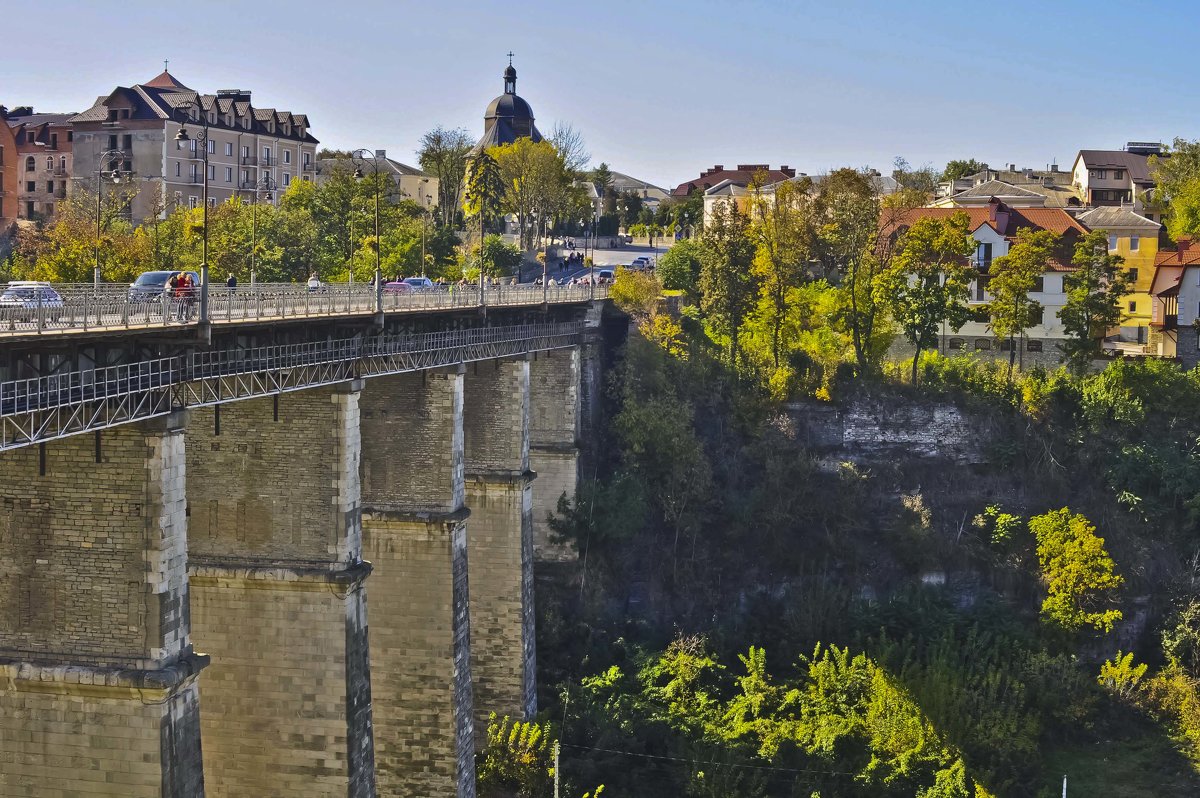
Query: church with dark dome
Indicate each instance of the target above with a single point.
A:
(508, 117)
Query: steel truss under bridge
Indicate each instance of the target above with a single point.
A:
(47, 408)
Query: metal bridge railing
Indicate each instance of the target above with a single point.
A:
(45, 408)
(87, 307)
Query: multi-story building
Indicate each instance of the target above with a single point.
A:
(245, 144)
(44, 143)
(1176, 297)
(1052, 184)
(9, 169)
(995, 228)
(1135, 238)
(1107, 178)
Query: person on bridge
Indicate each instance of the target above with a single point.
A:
(231, 283)
(314, 282)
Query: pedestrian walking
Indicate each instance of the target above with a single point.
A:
(314, 282)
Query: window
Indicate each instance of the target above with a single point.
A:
(195, 170)
(1, 158)
(1112, 243)
(49, 186)
(127, 142)
(306, 159)
(70, 135)
(287, 156)
(212, 202)
(1033, 346)
(49, 163)
(1118, 174)
(245, 152)
(177, 168)
(112, 141)
(54, 141)
(1098, 174)
(229, 148)
(287, 179)
(955, 343)
(983, 344)
(191, 202)
(212, 147)
(178, 198)
(983, 257)
(228, 174)
(1133, 307)
(30, 164)
(1038, 317)
(1133, 243)
(62, 164)
(1133, 275)
(246, 177)
(266, 156)
(30, 186)
(212, 172)
(1039, 285)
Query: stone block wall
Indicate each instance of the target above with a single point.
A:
(424, 739)
(278, 599)
(414, 528)
(100, 694)
(500, 551)
(496, 417)
(554, 399)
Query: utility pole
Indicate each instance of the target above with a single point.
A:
(557, 780)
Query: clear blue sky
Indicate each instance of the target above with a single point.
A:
(660, 90)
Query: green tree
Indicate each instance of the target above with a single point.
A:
(961, 168)
(727, 283)
(443, 152)
(847, 244)
(1094, 292)
(516, 761)
(679, 267)
(483, 193)
(1013, 277)
(536, 185)
(783, 227)
(928, 282)
(602, 177)
(1078, 572)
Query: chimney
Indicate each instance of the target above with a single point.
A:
(1054, 166)
(1012, 167)
(1028, 174)
(787, 170)
(381, 154)
(998, 214)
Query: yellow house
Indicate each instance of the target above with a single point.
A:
(1134, 238)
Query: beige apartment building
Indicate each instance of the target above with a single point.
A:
(247, 146)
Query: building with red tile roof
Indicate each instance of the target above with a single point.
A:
(741, 176)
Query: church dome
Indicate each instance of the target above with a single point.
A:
(510, 106)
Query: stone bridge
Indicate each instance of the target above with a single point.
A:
(279, 555)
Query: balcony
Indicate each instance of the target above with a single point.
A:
(249, 160)
(267, 160)
(196, 178)
(308, 167)
(60, 171)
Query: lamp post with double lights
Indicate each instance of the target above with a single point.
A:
(200, 143)
(114, 175)
(264, 188)
(360, 160)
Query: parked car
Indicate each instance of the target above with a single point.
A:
(640, 263)
(149, 285)
(604, 276)
(419, 282)
(22, 299)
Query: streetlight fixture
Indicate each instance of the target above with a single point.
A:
(424, 222)
(199, 142)
(115, 175)
(360, 160)
(264, 188)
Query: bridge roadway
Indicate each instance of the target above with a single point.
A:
(39, 409)
(88, 309)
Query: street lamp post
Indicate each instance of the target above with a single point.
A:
(114, 175)
(360, 160)
(200, 142)
(262, 189)
(424, 224)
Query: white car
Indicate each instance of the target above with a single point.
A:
(640, 263)
(419, 282)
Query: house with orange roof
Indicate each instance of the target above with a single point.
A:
(995, 227)
(1175, 294)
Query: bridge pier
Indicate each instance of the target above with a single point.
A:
(100, 695)
(500, 538)
(278, 599)
(415, 534)
(554, 379)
